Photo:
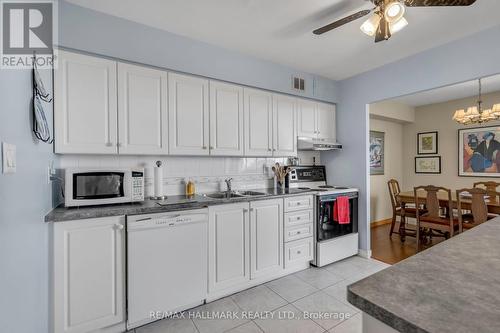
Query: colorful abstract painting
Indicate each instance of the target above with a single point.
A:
(479, 152)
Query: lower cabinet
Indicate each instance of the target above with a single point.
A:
(266, 238)
(88, 274)
(228, 246)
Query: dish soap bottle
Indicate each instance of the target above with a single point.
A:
(190, 188)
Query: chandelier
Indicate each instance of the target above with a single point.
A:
(475, 114)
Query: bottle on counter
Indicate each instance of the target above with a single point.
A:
(190, 189)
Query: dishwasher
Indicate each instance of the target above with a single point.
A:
(166, 264)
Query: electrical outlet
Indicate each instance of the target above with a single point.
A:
(8, 158)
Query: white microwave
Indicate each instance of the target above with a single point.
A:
(94, 186)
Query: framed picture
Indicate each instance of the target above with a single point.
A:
(428, 165)
(479, 152)
(377, 141)
(427, 143)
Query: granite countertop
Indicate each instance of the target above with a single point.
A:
(452, 287)
(172, 203)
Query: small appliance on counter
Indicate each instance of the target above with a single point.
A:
(335, 235)
(100, 186)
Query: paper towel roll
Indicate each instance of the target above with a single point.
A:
(158, 182)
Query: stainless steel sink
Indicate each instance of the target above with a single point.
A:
(250, 193)
(223, 195)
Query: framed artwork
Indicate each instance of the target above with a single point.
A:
(377, 141)
(479, 152)
(428, 165)
(427, 143)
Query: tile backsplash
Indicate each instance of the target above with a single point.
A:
(207, 172)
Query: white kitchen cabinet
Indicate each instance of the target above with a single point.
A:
(88, 276)
(266, 238)
(188, 111)
(85, 105)
(258, 111)
(306, 118)
(226, 119)
(316, 120)
(326, 121)
(142, 110)
(228, 247)
(284, 125)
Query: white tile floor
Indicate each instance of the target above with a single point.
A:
(290, 304)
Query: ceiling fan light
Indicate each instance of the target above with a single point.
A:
(394, 11)
(398, 25)
(370, 26)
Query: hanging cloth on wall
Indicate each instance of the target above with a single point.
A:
(41, 127)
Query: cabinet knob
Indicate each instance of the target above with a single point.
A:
(299, 232)
(245, 210)
(211, 147)
(204, 147)
(298, 218)
(118, 144)
(298, 252)
(119, 226)
(268, 149)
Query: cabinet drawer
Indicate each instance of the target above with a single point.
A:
(299, 217)
(299, 203)
(298, 251)
(298, 232)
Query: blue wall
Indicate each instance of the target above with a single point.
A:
(91, 31)
(462, 60)
(24, 199)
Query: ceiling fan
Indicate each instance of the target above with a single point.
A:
(388, 16)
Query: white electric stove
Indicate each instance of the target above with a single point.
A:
(334, 241)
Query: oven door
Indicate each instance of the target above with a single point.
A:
(97, 187)
(327, 225)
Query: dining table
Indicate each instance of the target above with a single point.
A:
(408, 197)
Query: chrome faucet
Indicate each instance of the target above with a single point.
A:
(228, 184)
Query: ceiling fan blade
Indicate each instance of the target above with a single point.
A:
(341, 22)
(430, 3)
(383, 31)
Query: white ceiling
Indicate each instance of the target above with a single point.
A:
(281, 30)
(449, 93)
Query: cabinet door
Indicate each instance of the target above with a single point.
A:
(88, 274)
(142, 110)
(266, 238)
(258, 122)
(188, 115)
(326, 121)
(85, 112)
(284, 126)
(226, 119)
(228, 246)
(307, 119)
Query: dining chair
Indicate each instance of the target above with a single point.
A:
(397, 209)
(434, 218)
(477, 197)
(491, 187)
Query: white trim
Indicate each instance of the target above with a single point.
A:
(365, 253)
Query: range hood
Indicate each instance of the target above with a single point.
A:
(304, 143)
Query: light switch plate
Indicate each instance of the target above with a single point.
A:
(8, 158)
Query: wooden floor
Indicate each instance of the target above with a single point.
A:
(390, 249)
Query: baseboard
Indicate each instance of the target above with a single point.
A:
(365, 253)
(379, 223)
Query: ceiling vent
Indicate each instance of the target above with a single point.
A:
(298, 83)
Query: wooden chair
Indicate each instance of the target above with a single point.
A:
(479, 208)
(490, 187)
(397, 210)
(433, 218)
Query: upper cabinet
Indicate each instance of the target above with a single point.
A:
(108, 107)
(142, 110)
(316, 120)
(258, 122)
(307, 118)
(284, 125)
(226, 119)
(188, 115)
(326, 121)
(85, 108)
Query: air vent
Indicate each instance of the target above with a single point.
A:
(298, 83)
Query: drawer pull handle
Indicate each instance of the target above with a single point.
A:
(298, 217)
(298, 252)
(299, 232)
(298, 203)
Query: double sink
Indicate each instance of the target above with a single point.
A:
(234, 194)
